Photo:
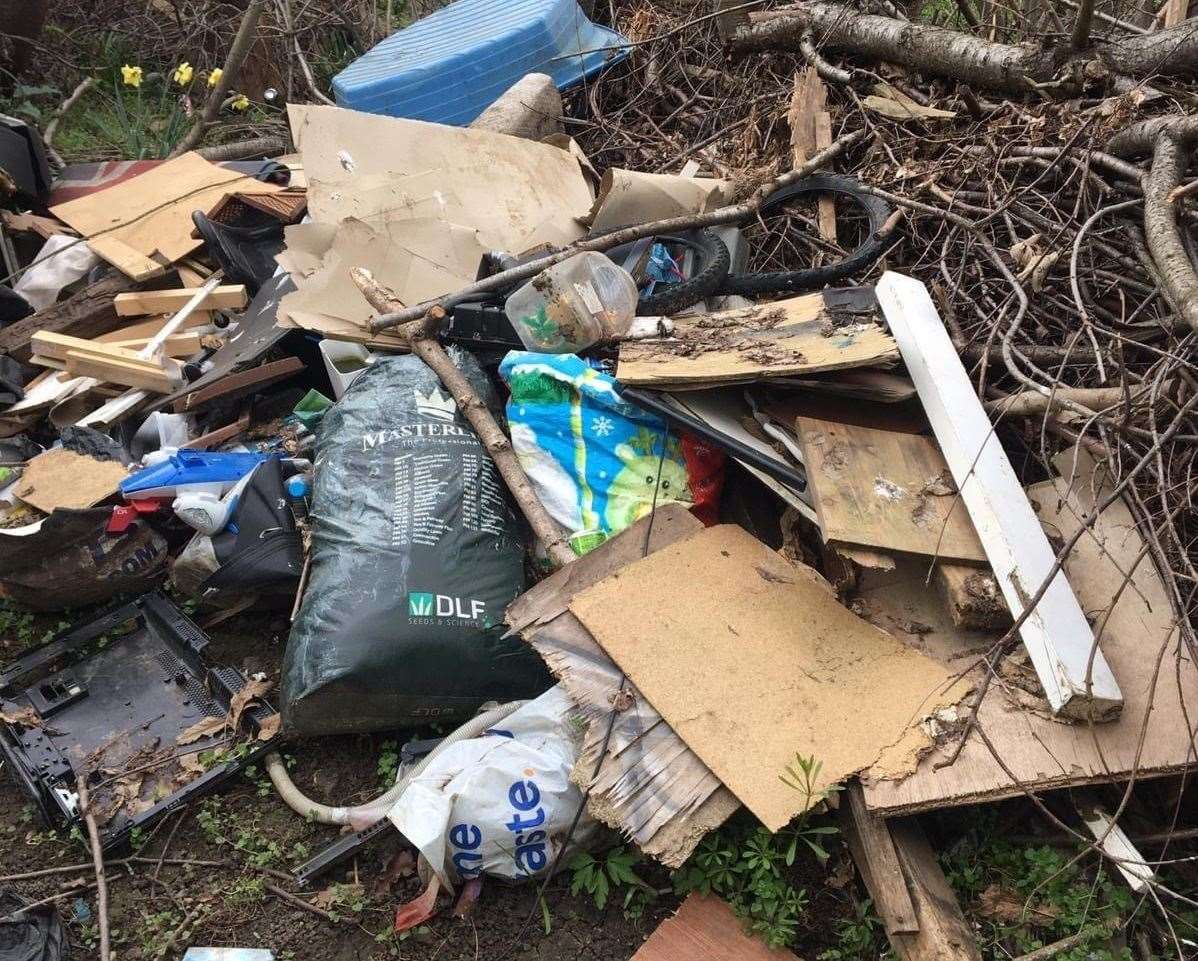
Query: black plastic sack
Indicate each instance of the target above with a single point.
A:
(33, 935)
(415, 555)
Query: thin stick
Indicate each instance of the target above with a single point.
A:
(93, 834)
(421, 338)
(76, 95)
(237, 54)
(299, 902)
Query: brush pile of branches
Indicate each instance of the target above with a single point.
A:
(1039, 152)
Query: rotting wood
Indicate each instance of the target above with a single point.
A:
(944, 934)
(878, 862)
(972, 596)
(1075, 676)
(87, 313)
(137, 303)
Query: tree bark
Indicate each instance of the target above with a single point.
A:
(961, 56)
(87, 313)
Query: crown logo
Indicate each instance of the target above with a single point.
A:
(435, 405)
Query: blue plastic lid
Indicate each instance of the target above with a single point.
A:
(297, 486)
(450, 66)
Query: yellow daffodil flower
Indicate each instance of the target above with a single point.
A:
(131, 76)
(240, 102)
(214, 76)
(183, 74)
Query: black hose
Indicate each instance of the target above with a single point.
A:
(792, 281)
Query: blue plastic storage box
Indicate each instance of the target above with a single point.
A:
(452, 65)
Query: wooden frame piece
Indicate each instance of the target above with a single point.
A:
(115, 365)
(140, 302)
(1128, 861)
(923, 920)
(1075, 676)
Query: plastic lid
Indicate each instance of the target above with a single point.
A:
(297, 486)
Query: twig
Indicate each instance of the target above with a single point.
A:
(236, 57)
(76, 95)
(299, 902)
(1057, 947)
(93, 834)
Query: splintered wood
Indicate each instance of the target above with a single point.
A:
(752, 660)
(789, 337)
(650, 785)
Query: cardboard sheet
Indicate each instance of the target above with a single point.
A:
(63, 478)
(751, 659)
(631, 197)
(143, 224)
(418, 259)
(1133, 623)
(374, 167)
(706, 929)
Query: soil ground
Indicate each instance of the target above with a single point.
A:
(158, 912)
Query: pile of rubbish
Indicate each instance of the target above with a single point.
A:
(539, 453)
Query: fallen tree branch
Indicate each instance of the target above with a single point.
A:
(1030, 403)
(421, 336)
(93, 835)
(963, 57)
(236, 57)
(1171, 140)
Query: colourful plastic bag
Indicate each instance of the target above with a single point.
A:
(597, 462)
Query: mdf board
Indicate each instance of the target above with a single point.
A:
(63, 478)
(885, 490)
(142, 225)
(786, 338)
(1071, 667)
(751, 660)
(1136, 627)
(706, 929)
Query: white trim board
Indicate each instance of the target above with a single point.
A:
(1056, 634)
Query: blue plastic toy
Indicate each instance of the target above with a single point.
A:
(452, 65)
(191, 470)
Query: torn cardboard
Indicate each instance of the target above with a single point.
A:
(631, 197)
(63, 478)
(752, 660)
(373, 167)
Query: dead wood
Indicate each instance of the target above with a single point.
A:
(93, 835)
(960, 56)
(422, 341)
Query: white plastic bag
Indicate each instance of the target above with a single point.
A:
(499, 804)
(62, 260)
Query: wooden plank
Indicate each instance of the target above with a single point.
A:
(114, 369)
(878, 862)
(136, 303)
(825, 205)
(706, 929)
(1153, 735)
(87, 313)
(808, 98)
(788, 337)
(52, 362)
(885, 490)
(751, 659)
(972, 596)
(1076, 677)
(176, 345)
(143, 224)
(239, 384)
(944, 934)
(148, 328)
